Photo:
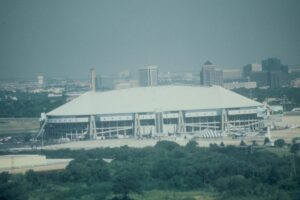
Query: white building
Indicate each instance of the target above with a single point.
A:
(151, 111)
(211, 75)
(236, 85)
(40, 81)
(148, 76)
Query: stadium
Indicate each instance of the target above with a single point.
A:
(151, 112)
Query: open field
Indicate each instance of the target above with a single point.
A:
(39, 168)
(190, 195)
(18, 125)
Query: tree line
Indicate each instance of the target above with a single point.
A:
(231, 172)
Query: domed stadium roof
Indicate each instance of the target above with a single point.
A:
(153, 99)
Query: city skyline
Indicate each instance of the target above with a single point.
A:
(66, 38)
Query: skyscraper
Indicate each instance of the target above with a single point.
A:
(40, 81)
(277, 72)
(148, 76)
(211, 75)
(251, 68)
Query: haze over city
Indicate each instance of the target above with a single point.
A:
(66, 38)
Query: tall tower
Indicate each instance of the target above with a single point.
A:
(40, 80)
(93, 79)
(148, 76)
(211, 75)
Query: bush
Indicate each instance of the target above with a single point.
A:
(242, 143)
(279, 143)
(168, 145)
(267, 141)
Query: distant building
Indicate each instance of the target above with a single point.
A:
(236, 85)
(105, 82)
(277, 73)
(272, 73)
(295, 83)
(40, 81)
(294, 69)
(125, 84)
(211, 75)
(148, 76)
(124, 74)
(261, 78)
(232, 74)
(251, 68)
(278, 79)
(273, 64)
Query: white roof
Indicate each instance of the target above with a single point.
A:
(153, 99)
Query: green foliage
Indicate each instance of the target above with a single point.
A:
(231, 171)
(89, 171)
(168, 145)
(242, 143)
(267, 141)
(191, 145)
(127, 179)
(279, 143)
(12, 187)
(28, 104)
(293, 94)
(254, 143)
(295, 148)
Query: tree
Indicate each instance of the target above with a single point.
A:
(279, 143)
(168, 145)
(242, 143)
(12, 187)
(191, 145)
(254, 143)
(267, 141)
(222, 144)
(126, 179)
(295, 148)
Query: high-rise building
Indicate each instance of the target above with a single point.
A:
(261, 78)
(277, 72)
(211, 75)
(271, 73)
(251, 68)
(273, 64)
(148, 76)
(278, 79)
(40, 81)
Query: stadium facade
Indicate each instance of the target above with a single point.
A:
(151, 111)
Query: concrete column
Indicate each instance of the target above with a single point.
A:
(181, 126)
(159, 122)
(223, 119)
(92, 131)
(136, 125)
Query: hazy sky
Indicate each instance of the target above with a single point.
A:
(67, 37)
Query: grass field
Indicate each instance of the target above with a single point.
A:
(18, 125)
(171, 195)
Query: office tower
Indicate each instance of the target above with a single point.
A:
(211, 75)
(251, 68)
(148, 76)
